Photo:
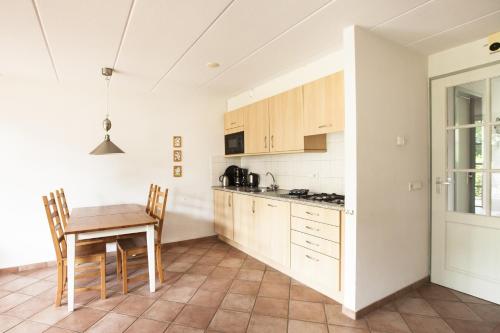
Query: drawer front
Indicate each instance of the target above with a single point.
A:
(321, 245)
(321, 230)
(323, 215)
(322, 270)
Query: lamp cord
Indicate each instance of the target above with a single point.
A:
(107, 96)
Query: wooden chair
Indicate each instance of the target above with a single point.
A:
(137, 246)
(151, 197)
(85, 254)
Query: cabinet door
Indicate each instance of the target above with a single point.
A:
(234, 119)
(273, 230)
(223, 213)
(324, 105)
(257, 128)
(244, 209)
(286, 121)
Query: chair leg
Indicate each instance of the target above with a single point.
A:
(60, 281)
(124, 272)
(103, 276)
(159, 265)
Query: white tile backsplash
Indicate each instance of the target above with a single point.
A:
(319, 172)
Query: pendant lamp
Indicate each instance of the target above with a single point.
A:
(107, 146)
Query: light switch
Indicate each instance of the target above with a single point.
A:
(415, 186)
(400, 141)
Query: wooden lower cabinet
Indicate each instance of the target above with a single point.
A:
(223, 213)
(244, 220)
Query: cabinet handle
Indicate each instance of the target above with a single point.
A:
(265, 141)
(229, 201)
(272, 141)
(311, 228)
(311, 258)
(323, 126)
(313, 214)
(309, 242)
(253, 206)
(233, 123)
(272, 205)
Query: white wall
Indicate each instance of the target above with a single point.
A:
(388, 235)
(46, 132)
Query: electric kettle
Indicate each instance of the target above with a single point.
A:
(224, 180)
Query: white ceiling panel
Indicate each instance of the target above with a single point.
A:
(159, 33)
(246, 26)
(22, 47)
(83, 35)
(471, 31)
(434, 17)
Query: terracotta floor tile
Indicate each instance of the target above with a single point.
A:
(422, 324)
(81, 319)
(209, 260)
(230, 321)
(4, 293)
(109, 303)
(207, 298)
(225, 272)
(467, 326)
(251, 263)
(4, 278)
(163, 311)
(216, 284)
(37, 288)
(179, 267)
(231, 262)
(29, 308)
(29, 326)
(235, 253)
(179, 294)
(171, 277)
(143, 325)
(51, 315)
(250, 275)
(275, 290)
(468, 298)
(335, 316)
(55, 329)
(266, 324)
(455, 310)
(245, 287)
(188, 258)
(297, 326)
(134, 305)
(487, 312)
(417, 306)
(275, 277)
(178, 249)
(346, 329)
(7, 322)
(112, 323)
(190, 280)
(11, 300)
(197, 251)
(195, 316)
(271, 307)
(389, 307)
(18, 283)
(201, 269)
(307, 311)
(303, 293)
(384, 321)
(238, 302)
(42, 273)
(433, 291)
(174, 328)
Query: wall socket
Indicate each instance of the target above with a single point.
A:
(415, 186)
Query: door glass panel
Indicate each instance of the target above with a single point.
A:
(495, 194)
(495, 99)
(466, 148)
(465, 193)
(465, 103)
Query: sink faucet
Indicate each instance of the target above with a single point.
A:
(274, 186)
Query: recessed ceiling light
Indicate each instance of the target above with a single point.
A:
(213, 64)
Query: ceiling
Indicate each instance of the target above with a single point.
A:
(156, 43)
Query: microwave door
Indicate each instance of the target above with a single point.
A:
(234, 143)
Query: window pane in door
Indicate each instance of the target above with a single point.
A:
(495, 99)
(465, 193)
(466, 148)
(465, 103)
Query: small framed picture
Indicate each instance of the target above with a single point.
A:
(177, 141)
(177, 171)
(177, 155)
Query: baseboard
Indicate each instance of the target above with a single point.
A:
(380, 303)
(40, 265)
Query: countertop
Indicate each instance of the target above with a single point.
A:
(281, 195)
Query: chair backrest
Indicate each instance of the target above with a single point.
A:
(158, 211)
(63, 207)
(56, 228)
(151, 197)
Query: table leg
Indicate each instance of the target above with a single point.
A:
(71, 271)
(150, 235)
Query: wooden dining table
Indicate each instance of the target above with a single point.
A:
(108, 221)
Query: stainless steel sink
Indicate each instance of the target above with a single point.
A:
(256, 190)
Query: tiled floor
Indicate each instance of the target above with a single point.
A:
(212, 287)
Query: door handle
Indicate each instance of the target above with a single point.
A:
(272, 205)
(440, 182)
(323, 126)
(272, 141)
(311, 258)
(253, 206)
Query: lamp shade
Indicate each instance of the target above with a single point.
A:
(106, 147)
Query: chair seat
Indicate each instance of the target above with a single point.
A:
(85, 250)
(127, 244)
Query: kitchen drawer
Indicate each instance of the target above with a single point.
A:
(323, 215)
(321, 245)
(316, 267)
(322, 230)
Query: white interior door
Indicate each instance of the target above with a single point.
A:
(466, 176)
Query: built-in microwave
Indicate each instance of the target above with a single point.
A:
(235, 143)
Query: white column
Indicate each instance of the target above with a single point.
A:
(150, 235)
(70, 239)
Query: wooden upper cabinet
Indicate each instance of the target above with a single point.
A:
(256, 119)
(324, 105)
(286, 126)
(234, 120)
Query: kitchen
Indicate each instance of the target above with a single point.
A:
(282, 166)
